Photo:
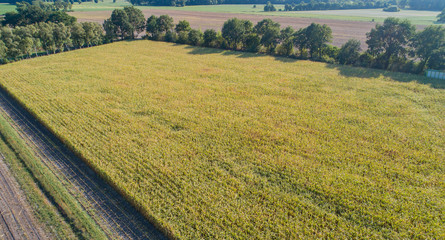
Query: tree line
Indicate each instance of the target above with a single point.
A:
(42, 28)
(335, 5)
(305, 5)
(394, 45)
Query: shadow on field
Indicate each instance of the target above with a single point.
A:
(349, 71)
(239, 54)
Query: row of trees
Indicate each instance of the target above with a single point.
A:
(326, 5)
(44, 38)
(395, 45)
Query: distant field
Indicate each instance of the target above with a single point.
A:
(217, 144)
(4, 8)
(367, 15)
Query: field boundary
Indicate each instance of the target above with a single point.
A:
(103, 198)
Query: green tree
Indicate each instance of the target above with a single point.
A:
(252, 42)
(23, 36)
(350, 52)
(182, 26)
(269, 31)
(151, 27)
(45, 34)
(110, 30)
(3, 51)
(164, 23)
(429, 47)
(11, 43)
(136, 19)
(61, 35)
(313, 38)
(210, 37)
(269, 7)
(121, 22)
(93, 33)
(195, 37)
(317, 35)
(235, 31)
(441, 17)
(182, 29)
(77, 35)
(388, 42)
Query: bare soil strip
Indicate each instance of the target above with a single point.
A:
(109, 209)
(16, 219)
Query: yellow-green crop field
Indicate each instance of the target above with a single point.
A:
(224, 145)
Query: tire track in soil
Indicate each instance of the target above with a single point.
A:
(116, 216)
(16, 219)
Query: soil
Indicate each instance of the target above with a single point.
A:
(16, 219)
(342, 30)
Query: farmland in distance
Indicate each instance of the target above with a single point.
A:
(221, 144)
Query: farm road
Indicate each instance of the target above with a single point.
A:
(109, 209)
(16, 220)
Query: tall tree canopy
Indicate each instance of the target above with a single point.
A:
(388, 42)
(235, 31)
(429, 46)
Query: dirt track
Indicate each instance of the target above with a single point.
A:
(16, 220)
(342, 30)
(111, 211)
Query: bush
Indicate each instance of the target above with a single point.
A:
(350, 52)
(195, 37)
(269, 7)
(170, 36)
(182, 37)
(210, 37)
(252, 43)
(391, 9)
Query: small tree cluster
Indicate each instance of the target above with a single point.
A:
(125, 23)
(269, 7)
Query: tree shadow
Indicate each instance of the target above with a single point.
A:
(240, 54)
(360, 72)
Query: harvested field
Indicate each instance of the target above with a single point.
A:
(342, 30)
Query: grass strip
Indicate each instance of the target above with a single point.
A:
(35, 178)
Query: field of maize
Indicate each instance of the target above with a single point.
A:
(226, 145)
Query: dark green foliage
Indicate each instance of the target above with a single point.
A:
(61, 17)
(252, 42)
(429, 46)
(441, 17)
(391, 9)
(152, 26)
(210, 37)
(235, 31)
(436, 5)
(136, 20)
(195, 37)
(183, 26)
(333, 5)
(269, 31)
(313, 38)
(269, 7)
(120, 20)
(388, 42)
(37, 12)
(350, 52)
(170, 36)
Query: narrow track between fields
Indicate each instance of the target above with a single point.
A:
(109, 209)
(16, 221)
